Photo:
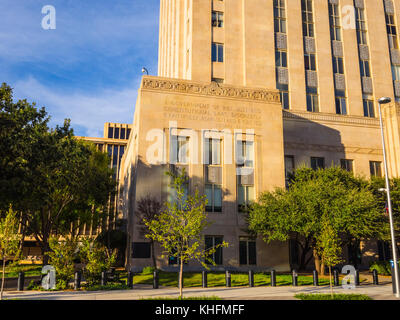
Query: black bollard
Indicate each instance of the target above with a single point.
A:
(315, 278)
(204, 279)
(130, 280)
(21, 281)
(357, 278)
(273, 278)
(228, 279)
(251, 278)
(375, 277)
(155, 280)
(104, 278)
(335, 277)
(294, 278)
(77, 280)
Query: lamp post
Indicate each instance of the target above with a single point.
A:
(144, 70)
(381, 101)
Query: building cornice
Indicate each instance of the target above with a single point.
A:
(210, 89)
(329, 117)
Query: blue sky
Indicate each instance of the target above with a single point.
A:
(89, 68)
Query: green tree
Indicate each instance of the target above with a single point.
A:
(148, 209)
(329, 247)
(179, 228)
(97, 259)
(61, 257)
(298, 211)
(9, 241)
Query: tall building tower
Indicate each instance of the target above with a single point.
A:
(303, 76)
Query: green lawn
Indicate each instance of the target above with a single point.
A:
(192, 279)
(30, 270)
(304, 296)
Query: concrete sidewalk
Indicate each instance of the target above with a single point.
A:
(381, 292)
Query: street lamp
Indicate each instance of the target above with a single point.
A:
(145, 70)
(381, 101)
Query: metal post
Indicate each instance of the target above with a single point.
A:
(21, 281)
(155, 280)
(204, 279)
(375, 277)
(336, 277)
(103, 278)
(77, 280)
(251, 278)
(130, 280)
(228, 279)
(273, 278)
(294, 278)
(396, 267)
(315, 278)
(357, 278)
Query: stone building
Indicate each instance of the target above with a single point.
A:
(249, 90)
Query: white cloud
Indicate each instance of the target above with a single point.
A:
(85, 110)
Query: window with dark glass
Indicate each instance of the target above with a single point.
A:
(334, 21)
(340, 101)
(281, 58)
(128, 133)
(212, 242)
(309, 61)
(217, 19)
(280, 16)
(247, 251)
(364, 68)
(346, 164)
(116, 133)
(115, 156)
(217, 52)
(375, 168)
(391, 31)
(110, 132)
(289, 169)
(307, 17)
(284, 93)
(338, 65)
(141, 250)
(369, 108)
(317, 163)
(122, 133)
(214, 198)
(312, 99)
(361, 26)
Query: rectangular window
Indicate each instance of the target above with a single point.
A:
(122, 133)
(361, 26)
(346, 164)
(212, 151)
(391, 31)
(214, 198)
(217, 19)
(115, 156)
(289, 168)
(110, 132)
(375, 168)
(284, 93)
(317, 163)
(340, 101)
(245, 153)
(245, 197)
(212, 242)
(247, 251)
(182, 149)
(309, 61)
(396, 72)
(279, 16)
(334, 21)
(281, 58)
(338, 65)
(141, 250)
(364, 68)
(116, 133)
(307, 18)
(312, 99)
(217, 52)
(369, 108)
(128, 133)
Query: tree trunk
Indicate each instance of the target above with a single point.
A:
(317, 261)
(330, 280)
(3, 278)
(45, 249)
(152, 254)
(322, 268)
(181, 279)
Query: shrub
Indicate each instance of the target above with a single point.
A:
(148, 270)
(62, 259)
(97, 259)
(383, 267)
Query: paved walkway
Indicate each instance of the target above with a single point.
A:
(381, 292)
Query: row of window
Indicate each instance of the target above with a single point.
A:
(118, 133)
(247, 251)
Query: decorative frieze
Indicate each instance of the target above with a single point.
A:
(212, 89)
